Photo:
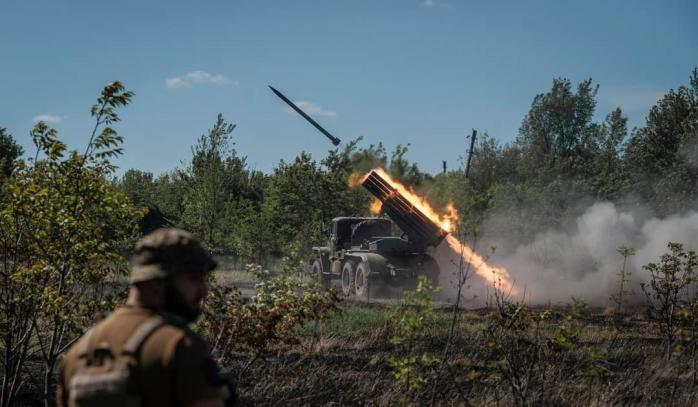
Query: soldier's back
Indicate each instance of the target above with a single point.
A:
(173, 364)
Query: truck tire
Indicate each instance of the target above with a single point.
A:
(316, 270)
(348, 278)
(361, 282)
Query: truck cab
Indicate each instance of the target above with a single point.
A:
(361, 252)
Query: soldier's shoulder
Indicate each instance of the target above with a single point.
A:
(170, 339)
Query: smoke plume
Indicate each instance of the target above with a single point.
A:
(580, 259)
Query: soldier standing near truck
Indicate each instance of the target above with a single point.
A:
(144, 354)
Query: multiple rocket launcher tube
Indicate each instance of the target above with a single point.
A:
(420, 230)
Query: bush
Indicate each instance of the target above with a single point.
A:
(282, 304)
(668, 298)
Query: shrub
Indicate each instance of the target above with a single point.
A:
(667, 290)
(282, 304)
(413, 320)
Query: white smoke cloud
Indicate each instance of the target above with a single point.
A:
(582, 259)
(584, 262)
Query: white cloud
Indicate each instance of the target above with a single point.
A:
(631, 98)
(312, 109)
(48, 118)
(434, 3)
(196, 78)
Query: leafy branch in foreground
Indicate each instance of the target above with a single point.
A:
(63, 227)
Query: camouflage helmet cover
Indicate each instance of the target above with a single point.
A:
(168, 251)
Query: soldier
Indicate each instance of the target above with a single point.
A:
(144, 353)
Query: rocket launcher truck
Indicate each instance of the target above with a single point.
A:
(364, 255)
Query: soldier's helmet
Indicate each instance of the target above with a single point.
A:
(166, 252)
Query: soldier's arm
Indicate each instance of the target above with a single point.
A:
(197, 379)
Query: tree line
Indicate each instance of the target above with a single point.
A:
(560, 157)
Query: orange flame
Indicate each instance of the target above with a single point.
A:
(447, 222)
(495, 276)
(376, 207)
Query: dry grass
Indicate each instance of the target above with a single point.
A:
(348, 365)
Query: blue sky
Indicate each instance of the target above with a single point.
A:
(408, 71)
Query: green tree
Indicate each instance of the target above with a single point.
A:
(209, 183)
(362, 160)
(608, 177)
(661, 156)
(138, 186)
(558, 135)
(292, 207)
(170, 190)
(667, 289)
(63, 227)
(10, 151)
(413, 321)
(402, 169)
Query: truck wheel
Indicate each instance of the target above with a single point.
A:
(348, 278)
(316, 270)
(361, 284)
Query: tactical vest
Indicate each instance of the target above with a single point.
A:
(104, 379)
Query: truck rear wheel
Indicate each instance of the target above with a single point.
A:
(361, 283)
(348, 278)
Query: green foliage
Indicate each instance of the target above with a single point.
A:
(570, 329)
(63, 228)
(362, 160)
(352, 321)
(211, 183)
(140, 188)
(661, 156)
(282, 304)
(10, 151)
(402, 169)
(523, 342)
(516, 342)
(413, 320)
(608, 180)
(558, 136)
(303, 195)
(414, 316)
(667, 292)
